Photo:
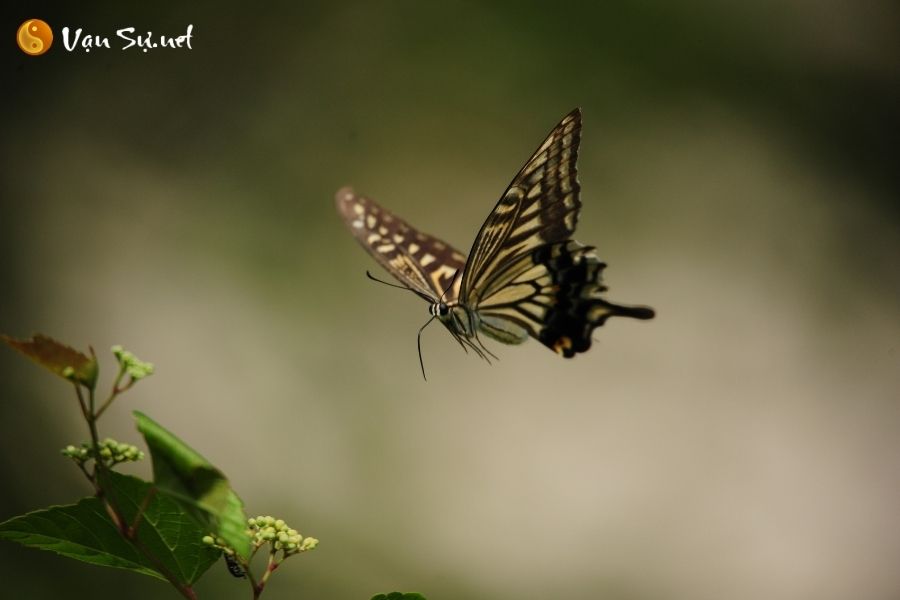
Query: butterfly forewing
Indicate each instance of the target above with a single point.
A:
(418, 260)
(540, 206)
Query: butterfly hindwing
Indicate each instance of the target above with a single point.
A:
(540, 206)
(418, 260)
(553, 295)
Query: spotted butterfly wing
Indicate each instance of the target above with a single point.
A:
(419, 261)
(525, 276)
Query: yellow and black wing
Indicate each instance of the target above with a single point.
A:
(540, 206)
(419, 261)
(525, 275)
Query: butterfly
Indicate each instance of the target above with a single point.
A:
(524, 276)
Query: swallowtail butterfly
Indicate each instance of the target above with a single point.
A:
(524, 276)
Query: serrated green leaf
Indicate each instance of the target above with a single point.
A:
(82, 531)
(164, 529)
(182, 472)
(399, 596)
(66, 362)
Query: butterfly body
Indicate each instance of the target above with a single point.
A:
(524, 277)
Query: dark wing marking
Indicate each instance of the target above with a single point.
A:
(540, 206)
(553, 294)
(418, 260)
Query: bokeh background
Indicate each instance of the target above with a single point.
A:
(739, 171)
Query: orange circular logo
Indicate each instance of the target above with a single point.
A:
(34, 37)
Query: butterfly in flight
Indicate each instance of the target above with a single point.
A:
(524, 275)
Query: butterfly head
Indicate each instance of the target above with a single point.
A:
(439, 309)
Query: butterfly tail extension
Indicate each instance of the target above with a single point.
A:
(576, 308)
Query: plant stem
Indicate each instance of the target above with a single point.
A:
(115, 391)
(270, 568)
(128, 532)
(84, 408)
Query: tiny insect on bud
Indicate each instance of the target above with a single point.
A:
(233, 566)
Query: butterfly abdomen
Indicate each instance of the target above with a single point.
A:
(575, 308)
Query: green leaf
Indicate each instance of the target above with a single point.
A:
(82, 531)
(66, 362)
(399, 596)
(165, 530)
(182, 472)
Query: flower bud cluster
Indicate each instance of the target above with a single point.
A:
(136, 368)
(267, 529)
(111, 452)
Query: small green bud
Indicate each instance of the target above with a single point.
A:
(208, 540)
(308, 544)
(279, 524)
(251, 522)
(68, 373)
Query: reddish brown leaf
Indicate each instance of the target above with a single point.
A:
(57, 357)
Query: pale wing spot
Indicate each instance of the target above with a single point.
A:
(388, 218)
(370, 221)
(597, 312)
(386, 248)
(508, 295)
(536, 162)
(509, 204)
(570, 221)
(545, 145)
(348, 196)
(439, 245)
(382, 230)
(413, 248)
(358, 224)
(528, 226)
(569, 201)
(528, 212)
(532, 273)
(373, 237)
(534, 309)
(458, 257)
(398, 239)
(534, 191)
(440, 275)
(426, 260)
(357, 208)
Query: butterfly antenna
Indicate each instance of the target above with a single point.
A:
(419, 345)
(402, 287)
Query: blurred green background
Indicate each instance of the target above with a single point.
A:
(739, 172)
